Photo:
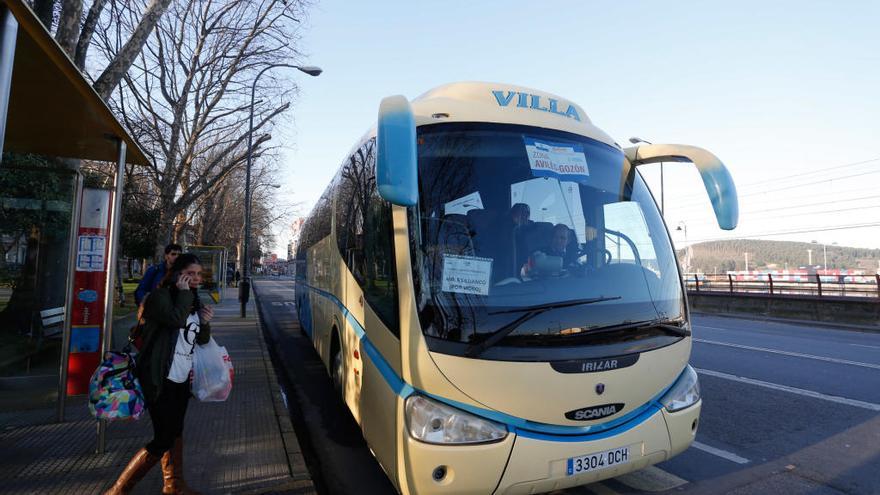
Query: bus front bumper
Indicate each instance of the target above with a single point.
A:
(540, 464)
(528, 462)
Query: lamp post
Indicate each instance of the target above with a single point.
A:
(244, 289)
(824, 255)
(682, 227)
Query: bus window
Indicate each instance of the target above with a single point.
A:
(364, 233)
(535, 237)
(552, 200)
(627, 239)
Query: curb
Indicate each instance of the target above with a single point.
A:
(292, 412)
(295, 459)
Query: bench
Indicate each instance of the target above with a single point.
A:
(52, 322)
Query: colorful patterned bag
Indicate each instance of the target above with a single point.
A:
(114, 392)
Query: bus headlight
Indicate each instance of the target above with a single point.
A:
(434, 422)
(685, 392)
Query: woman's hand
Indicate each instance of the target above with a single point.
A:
(183, 282)
(206, 314)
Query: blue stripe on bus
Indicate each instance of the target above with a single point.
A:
(304, 312)
(394, 381)
(644, 413)
(525, 425)
(520, 426)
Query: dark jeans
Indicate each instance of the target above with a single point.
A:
(167, 414)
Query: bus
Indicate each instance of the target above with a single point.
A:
(496, 297)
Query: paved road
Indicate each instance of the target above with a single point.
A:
(787, 408)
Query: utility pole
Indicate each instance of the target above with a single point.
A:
(824, 259)
(809, 256)
(747, 262)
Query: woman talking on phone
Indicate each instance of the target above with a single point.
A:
(174, 322)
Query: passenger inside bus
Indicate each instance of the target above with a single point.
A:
(519, 215)
(506, 244)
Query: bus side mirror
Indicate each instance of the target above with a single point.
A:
(719, 184)
(396, 164)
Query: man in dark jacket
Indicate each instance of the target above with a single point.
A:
(155, 273)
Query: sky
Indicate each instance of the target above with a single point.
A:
(784, 93)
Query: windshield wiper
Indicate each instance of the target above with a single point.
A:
(669, 326)
(530, 312)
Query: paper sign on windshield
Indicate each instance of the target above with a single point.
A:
(564, 161)
(466, 274)
(464, 204)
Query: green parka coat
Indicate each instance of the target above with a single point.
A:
(165, 313)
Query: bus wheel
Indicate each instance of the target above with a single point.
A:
(336, 366)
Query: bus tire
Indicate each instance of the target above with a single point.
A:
(337, 367)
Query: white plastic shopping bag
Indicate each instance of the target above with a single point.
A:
(212, 372)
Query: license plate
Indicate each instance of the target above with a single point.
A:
(597, 461)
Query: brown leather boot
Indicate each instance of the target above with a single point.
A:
(172, 471)
(137, 467)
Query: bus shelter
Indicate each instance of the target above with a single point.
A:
(59, 238)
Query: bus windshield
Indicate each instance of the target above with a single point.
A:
(513, 218)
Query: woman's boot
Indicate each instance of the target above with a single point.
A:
(172, 471)
(137, 467)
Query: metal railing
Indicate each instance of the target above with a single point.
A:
(855, 286)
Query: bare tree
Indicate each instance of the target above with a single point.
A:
(74, 34)
(187, 95)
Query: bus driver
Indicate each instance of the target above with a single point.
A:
(563, 251)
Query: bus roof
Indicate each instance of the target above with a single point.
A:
(504, 103)
(500, 103)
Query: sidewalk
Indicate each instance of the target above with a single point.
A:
(244, 445)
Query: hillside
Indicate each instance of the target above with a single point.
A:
(721, 256)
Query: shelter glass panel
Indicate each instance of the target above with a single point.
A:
(36, 201)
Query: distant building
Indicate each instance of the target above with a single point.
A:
(295, 230)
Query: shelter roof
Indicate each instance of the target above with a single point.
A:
(53, 109)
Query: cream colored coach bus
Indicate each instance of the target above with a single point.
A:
(495, 295)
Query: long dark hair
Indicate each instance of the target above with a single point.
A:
(169, 281)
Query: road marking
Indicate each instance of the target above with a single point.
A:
(869, 346)
(799, 391)
(788, 353)
(730, 456)
(651, 479)
(714, 328)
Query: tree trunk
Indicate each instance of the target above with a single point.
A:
(166, 234)
(85, 36)
(180, 233)
(109, 79)
(119, 286)
(239, 262)
(68, 26)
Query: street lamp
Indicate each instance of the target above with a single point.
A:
(244, 289)
(824, 255)
(637, 140)
(682, 227)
